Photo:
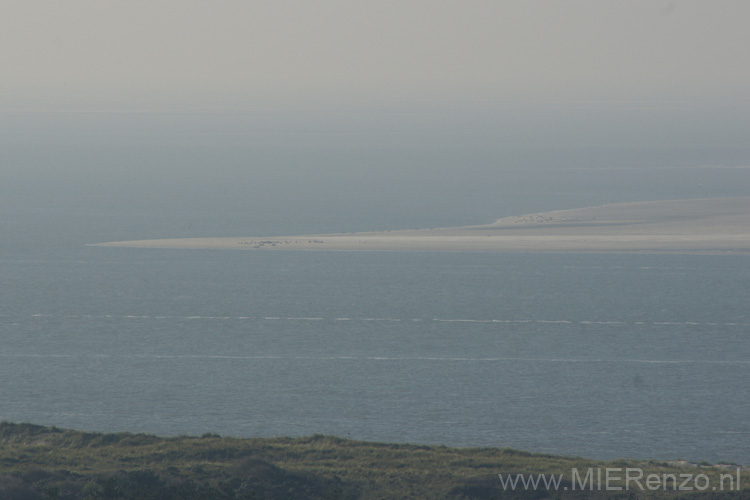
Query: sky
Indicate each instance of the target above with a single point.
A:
(105, 55)
(167, 118)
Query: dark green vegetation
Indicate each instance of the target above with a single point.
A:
(45, 462)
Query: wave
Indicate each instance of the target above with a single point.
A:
(410, 359)
(375, 319)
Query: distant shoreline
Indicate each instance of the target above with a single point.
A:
(698, 226)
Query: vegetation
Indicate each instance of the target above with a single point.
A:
(46, 462)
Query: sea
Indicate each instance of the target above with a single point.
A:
(603, 356)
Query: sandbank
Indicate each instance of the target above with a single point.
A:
(703, 225)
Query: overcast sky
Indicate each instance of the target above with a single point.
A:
(103, 53)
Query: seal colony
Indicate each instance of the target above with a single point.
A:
(703, 225)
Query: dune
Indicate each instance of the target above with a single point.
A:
(704, 225)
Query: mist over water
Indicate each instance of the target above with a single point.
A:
(595, 355)
(89, 177)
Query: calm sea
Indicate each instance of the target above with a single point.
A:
(602, 356)
(595, 355)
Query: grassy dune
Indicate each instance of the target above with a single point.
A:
(46, 462)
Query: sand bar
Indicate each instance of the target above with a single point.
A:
(704, 225)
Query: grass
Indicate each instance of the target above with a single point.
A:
(45, 462)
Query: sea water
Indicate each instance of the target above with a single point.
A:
(598, 355)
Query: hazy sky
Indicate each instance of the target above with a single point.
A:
(103, 53)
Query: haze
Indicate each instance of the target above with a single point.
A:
(134, 120)
(260, 119)
(93, 55)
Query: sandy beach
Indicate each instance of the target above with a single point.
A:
(704, 225)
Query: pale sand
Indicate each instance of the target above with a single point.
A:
(705, 225)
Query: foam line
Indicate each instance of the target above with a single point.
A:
(390, 358)
(394, 320)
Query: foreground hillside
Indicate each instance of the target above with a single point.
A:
(46, 462)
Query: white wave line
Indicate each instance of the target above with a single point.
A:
(395, 320)
(462, 320)
(608, 323)
(388, 358)
(28, 355)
